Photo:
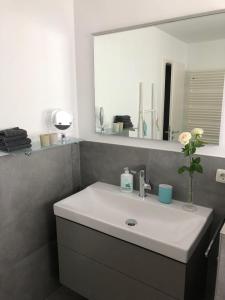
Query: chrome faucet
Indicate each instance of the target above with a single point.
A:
(143, 186)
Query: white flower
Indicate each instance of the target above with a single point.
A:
(197, 132)
(184, 138)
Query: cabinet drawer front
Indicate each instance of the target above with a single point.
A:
(97, 282)
(153, 269)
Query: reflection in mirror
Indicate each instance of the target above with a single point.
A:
(157, 81)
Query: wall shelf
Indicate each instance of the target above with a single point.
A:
(37, 147)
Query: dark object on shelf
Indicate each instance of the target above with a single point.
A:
(14, 148)
(15, 142)
(13, 139)
(13, 132)
(126, 120)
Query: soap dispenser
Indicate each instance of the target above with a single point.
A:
(126, 182)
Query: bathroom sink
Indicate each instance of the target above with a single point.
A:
(166, 229)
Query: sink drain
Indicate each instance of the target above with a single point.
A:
(131, 222)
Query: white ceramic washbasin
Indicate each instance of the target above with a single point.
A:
(162, 228)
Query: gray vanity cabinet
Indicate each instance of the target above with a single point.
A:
(101, 267)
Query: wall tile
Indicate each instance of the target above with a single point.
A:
(75, 152)
(105, 162)
(29, 182)
(65, 294)
(33, 278)
(29, 186)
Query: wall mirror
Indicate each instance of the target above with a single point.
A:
(157, 81)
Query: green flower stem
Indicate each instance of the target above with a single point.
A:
(190, 191)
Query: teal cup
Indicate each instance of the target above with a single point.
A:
(165, 193)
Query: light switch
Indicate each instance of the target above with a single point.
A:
(220, 175)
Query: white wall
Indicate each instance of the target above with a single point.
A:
(37, 61)
(206, 56)
(100, 15)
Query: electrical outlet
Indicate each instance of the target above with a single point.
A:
(220, 175)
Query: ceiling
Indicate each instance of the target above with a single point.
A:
(198, 29)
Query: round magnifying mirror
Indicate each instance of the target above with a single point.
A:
(61, 119)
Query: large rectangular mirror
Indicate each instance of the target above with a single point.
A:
(157, 81)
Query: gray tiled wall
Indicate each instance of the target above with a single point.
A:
(105, 162)
(30, 185)
(28, 188)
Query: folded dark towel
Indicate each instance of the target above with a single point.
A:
(125, 118)
(121, 120)
(12, 138)
(14, 148)
(17, 142)
(12, 132)
(9, 129)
